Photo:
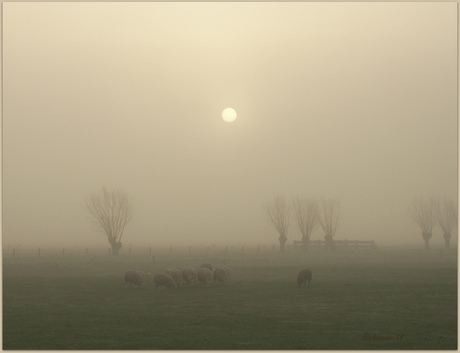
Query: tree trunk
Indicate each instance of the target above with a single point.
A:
(329, 242)
(447, 237)
(426, 237)
(116, 246)
(427, 244)
(282, 240)
(306, 243)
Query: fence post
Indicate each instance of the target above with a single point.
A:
(14, 251)
(170, 250)
(189, 249)
(38, 252)
(63, 252)
(207, 250)
(86, 252)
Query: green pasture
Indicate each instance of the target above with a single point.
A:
(358, 299)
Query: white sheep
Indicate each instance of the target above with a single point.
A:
(145, 276)
(219, 275)
(204, 275)
(134, 277)
(189, 275)
(177, 276)
(303, 276)
(206, 265)
(228, 271)
(162, 279)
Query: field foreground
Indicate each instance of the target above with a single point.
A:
(383, 299)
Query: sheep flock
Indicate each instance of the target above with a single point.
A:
(173, 277)
(203, 275)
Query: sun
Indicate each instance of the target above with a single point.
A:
(229, 115)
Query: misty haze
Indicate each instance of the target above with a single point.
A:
(163, 151)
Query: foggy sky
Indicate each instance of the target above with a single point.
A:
(353, 101)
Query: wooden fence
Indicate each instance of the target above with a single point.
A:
(197, 250)
(344, 244)
(150, 251)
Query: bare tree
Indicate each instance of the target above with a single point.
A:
(111, 210)
(423, 213)
(277, 210)
(446, 213)
(307, 217)
(329, 220)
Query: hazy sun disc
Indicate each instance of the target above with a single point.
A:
(229, 115)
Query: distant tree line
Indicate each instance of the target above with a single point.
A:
(112, 210)
(308, 213)
(428, 213)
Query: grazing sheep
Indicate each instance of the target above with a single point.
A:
(134, 277)
(169, 270)
(219, 275)
(228, 271)
(162, 279)
(204, 275)
(189, 275)
(177, 276)
(205, 265)
(303, 276)
(145, 276)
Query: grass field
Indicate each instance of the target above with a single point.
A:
(384, 299)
